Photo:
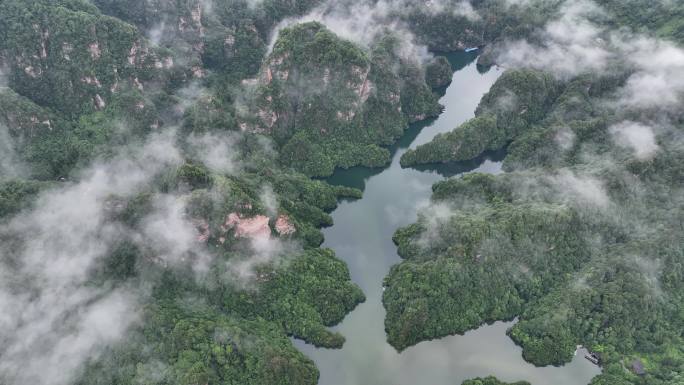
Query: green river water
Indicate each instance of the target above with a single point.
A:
(362, 237)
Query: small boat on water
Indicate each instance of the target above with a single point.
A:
(593, 358)
(472, 49)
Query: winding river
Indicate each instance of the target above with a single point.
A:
(362, 236)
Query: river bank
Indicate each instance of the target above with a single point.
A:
(362, 237)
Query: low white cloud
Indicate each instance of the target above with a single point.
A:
(263, 251)
(658, 81)
(156, 33)
(363, 21)
(53, 317)
(435, 7)
(433, 217)
(636, 136)
(189, 96)
(565, 186)
(575, 188)
(4, 73)
(571, 44)
(269, 200)
(217, 152)
(574, 43)
(565, 138)
(10, 165)
(172, 235)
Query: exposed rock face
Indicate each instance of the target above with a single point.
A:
(91, 81)
(251, 227)
(22, 117)
(99, 102)
(203, 231)
(198, 72)
(255, 227)
(299, 82)
(94, 49)
(133, 53)
(33, 72)
(283, 225)
(138, 84)
(44, 36)
(67, 48)
(61, 53)
(364, 90)
(322, 97)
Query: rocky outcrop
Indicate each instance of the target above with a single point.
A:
(323, 98)
(247, 227)
(250, 226)
(283, 226)
(203, 230)
(77, 68)
(290, 85)
(23, 118)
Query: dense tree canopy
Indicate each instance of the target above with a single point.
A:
(244, 125)
(581, 240)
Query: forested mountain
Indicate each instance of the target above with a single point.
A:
(581, 239)
(366, 99)
(160, 223)
(138, 146)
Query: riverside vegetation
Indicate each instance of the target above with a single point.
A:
(83, 82)
(581, 239)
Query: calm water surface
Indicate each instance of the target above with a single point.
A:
(362, 236)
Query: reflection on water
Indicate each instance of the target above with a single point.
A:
(457, 168)
(362, 236)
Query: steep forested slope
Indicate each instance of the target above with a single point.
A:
(86, 87)
(330, 104)
(137, 149)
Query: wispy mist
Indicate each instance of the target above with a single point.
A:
(55, 316)
(569, 45)
(217, 152)
(364, 21)
(10, 165)
(638, 137)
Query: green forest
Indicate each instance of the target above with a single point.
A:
(491, 381)
(581, 249)
(176, 149)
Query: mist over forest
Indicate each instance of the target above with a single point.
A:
(163, 184)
